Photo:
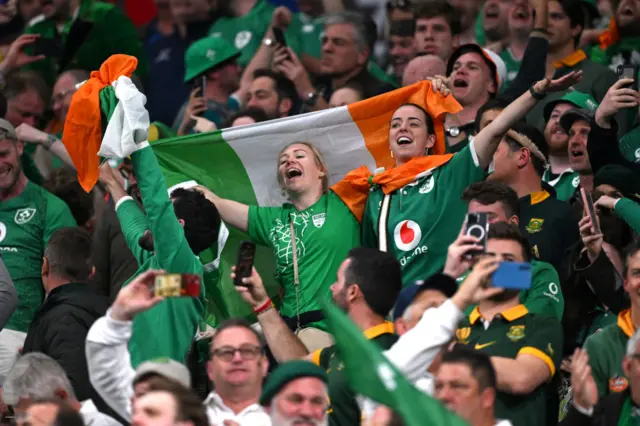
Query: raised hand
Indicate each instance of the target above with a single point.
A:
(585, 391)
(558, 85)
(592, 241)
(15, 57)
(136, 297)
(618, 97)
(253, 292)
(457, 260)
(475, 287)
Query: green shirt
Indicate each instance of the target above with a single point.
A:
(565, 184)
(246, 32)
(26, 224)
(311, 33)
(512, 333)
(544, 297)
(324, 232)
(629, 211)
(167, 329)
(606, 350)
(111, 32)
(630, 145)
(512, 64)
(424, 216)
(344, 409)
(615, 54)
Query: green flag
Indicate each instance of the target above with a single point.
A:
(372, 375)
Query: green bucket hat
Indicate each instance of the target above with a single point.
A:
(205, 54)
(287, 372)
(578, 99)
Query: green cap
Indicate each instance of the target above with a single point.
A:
(578, 99)
(205, 54)
(286, 373)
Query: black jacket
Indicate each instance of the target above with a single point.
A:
(59, 329)
(606, 413)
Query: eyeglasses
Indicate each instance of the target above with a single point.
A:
(247, 353)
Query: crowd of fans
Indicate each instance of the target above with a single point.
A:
(549, 101)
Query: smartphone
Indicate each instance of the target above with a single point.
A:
(177, 285)
(46, 46)
(246, 256)
(590, 210)
(512, 276)
(629, 71)
(478, 227)
(200, 83)
(279, 36)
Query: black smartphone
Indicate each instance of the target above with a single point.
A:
(279, 36)
(629, 71)
(246, 256)
(46, 46)
(590, 210)
(200, 83)
(478, 227)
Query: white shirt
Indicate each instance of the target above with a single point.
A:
(218, 412)
(92, 417)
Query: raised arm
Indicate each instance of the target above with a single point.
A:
(486, 142)
(231, 212)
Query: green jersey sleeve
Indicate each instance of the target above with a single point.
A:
(544, 341)
(133, 223)
(545, 295)
(260, 223)
(58, 216)
(629, 211)
(594, 347)
(170, 244)
(368, 230)
(462, 170)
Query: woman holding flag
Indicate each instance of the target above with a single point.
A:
(414, 209)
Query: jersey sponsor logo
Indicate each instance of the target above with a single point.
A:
(576, 181)
(242, 39)
(618, 384)
(3, 231)
(407, 235)
(308, 28)
(553, 292)
(535, 225)
(428, 186)
(318, 219)
(516, 332)
(24, 215)
(479, 346)
(462, 334)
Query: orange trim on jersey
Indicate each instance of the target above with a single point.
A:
(315, 357)
(384, 328)
(625, 323)
(538, 197)
(529, 350)
(511, 314)
(571, 61)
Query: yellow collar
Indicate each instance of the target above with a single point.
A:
(571, 61)
(625, 323)
(510, 314)
(538, 197)
(375, 331)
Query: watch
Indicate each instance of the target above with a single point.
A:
(268, 42)
(312, 98)
(537, 95)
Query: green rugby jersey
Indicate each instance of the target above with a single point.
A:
(344, 409)
(425, 216)
(512, 64)
(511, 333)
(26, 224)
(565, 184)
(606, 350)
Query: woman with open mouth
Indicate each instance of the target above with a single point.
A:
(415, 209)
(310, 237)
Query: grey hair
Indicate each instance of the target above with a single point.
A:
(632, 344)
(35, 376)
(356, 20)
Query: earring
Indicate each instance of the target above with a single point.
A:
(392, 154)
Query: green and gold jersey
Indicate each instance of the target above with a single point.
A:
(516, 332)
(26, 224)
(325, 232)
(606, 350)
(424, 216)
(565, 184)
(344, 409)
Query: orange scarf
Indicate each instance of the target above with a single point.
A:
(610, 36)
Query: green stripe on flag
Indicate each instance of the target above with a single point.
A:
(210, 161)
(371, 374)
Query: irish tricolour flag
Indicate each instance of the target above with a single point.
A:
(241, 163)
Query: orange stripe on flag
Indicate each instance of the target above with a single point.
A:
(373, 116)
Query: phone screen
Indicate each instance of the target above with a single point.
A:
(590, 209)
(279, 36)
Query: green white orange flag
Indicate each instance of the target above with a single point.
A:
(370, 373)
(241, 163)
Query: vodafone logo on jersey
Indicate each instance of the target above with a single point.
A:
(407, 235)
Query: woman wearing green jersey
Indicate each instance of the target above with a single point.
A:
(310, 236)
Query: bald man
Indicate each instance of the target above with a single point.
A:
(423, 67)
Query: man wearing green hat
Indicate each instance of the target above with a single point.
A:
(210, 66)
(296, 393)
(559, 174)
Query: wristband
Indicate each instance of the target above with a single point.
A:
(537, 95)
(264, 307)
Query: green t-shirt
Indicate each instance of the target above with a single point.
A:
(26, 224)
(630, 145)
(425, 216)
(606, 350)
(544, 297)
(325, 232)
(167, 329)
(311, 33)
(565, 184)
(246, 32)
(344, 409)
(511, 333)
(512, 64)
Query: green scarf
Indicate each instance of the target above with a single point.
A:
(627, 415)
